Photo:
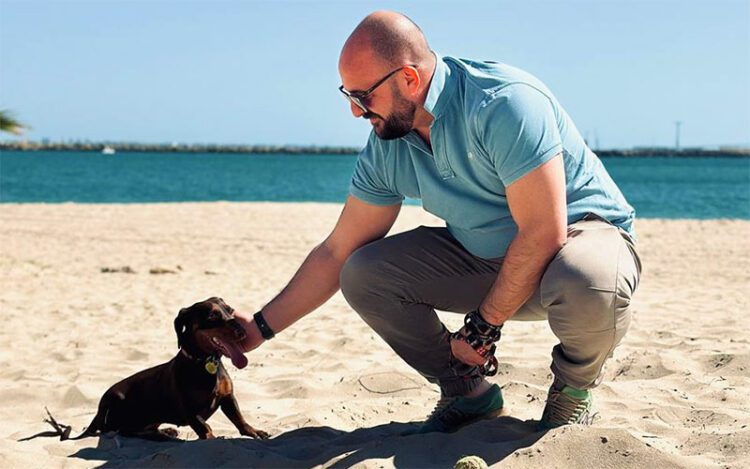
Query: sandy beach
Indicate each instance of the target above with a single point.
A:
(330, 392)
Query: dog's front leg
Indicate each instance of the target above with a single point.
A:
(232, 411)
(199, 426)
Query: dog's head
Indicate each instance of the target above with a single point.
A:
(209, 328)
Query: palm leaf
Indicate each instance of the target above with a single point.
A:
(9, 124)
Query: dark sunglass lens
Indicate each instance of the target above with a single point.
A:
(359, 103)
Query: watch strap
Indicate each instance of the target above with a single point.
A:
(265, 329)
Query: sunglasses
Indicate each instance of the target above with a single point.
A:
(361, 98)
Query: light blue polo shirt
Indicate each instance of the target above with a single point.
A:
(493, 124)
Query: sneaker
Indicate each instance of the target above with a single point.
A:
(452, 413)
(566, 406)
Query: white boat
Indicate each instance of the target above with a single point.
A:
(107, 150)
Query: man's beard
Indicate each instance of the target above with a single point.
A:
(398, 123)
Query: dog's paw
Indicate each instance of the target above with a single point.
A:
(254, 433)
(170, 432)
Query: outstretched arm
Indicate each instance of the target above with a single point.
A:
(317, 279)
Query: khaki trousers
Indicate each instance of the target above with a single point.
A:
(396, 283)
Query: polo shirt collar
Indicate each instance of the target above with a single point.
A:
(441, 88)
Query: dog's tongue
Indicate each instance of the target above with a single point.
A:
(238, 358)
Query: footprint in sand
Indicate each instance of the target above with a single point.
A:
(388, 383)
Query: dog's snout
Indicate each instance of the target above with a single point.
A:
(239, 331)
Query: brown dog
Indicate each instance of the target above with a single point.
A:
(186, 390)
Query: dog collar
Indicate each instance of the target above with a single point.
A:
(210, 363)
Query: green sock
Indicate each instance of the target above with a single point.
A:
(576, 393)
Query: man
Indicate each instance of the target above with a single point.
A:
(535, 227)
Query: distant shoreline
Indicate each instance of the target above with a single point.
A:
(125, 147)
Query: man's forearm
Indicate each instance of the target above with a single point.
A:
(315, 282)
(524, 264)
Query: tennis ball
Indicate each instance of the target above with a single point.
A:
(470, 462)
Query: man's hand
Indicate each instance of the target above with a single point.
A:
(474, 343)
(253, 338)
(465, 353)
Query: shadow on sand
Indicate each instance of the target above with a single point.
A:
(493, 440)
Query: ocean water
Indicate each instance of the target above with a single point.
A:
(657, 187)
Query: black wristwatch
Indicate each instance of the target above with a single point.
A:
(265, 329)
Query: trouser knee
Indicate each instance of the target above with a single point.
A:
(360, 282)
(582, 302)
(589, 311)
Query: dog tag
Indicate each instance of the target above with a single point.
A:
(211, 367)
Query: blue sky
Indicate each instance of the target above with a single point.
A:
(265, 72)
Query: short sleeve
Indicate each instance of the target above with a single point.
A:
(518, 129)
(369, 182)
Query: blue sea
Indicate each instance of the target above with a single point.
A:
(657, 187)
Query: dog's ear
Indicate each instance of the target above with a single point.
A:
(180, 326)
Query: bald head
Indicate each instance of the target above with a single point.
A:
(388, 49)
(388, 38)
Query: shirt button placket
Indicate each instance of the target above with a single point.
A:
(441, 159)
